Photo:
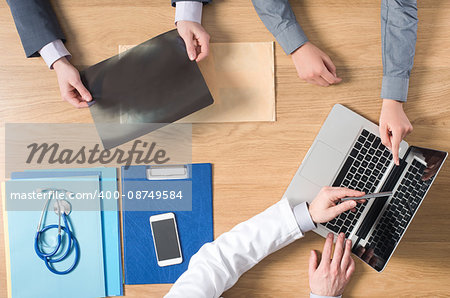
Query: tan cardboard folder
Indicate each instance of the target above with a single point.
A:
(241, 79)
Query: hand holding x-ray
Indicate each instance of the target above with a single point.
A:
(196, 39)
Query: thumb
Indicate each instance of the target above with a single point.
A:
(312, 262)
(329, 64)
(82, 90)
(342, 207)
(190, 46)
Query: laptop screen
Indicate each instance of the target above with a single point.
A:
(409, 184)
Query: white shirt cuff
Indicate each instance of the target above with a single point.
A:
(189, 11)
(311, 295)
(54, 51)
(304, 220)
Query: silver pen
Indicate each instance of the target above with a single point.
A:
(370, 196)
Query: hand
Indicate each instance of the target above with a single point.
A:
(196, 39)
(394, 126)
(324, 207)
(314, 66)
(331, 276)
(70, 85)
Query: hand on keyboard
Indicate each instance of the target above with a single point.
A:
(325, 206)
(330, 277)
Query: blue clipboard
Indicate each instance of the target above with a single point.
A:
(195, 227)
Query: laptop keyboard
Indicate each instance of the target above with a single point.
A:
(362, 170)
(399, 211)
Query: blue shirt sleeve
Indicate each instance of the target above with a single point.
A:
(398, 41)
(279, 19)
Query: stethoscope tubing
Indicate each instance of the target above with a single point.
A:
(72, 243)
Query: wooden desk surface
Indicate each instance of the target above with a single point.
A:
(268, 154)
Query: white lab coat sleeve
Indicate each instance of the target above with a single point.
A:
(217, 265)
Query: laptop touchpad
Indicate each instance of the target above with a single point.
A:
(322, 164)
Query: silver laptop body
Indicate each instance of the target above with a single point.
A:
(347, 152)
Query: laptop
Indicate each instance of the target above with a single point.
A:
(348, 152)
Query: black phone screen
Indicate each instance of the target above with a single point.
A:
(166, 240)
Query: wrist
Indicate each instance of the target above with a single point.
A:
(324, 295)
(392, 105)
(298, 51)
(303, 218)
(60, 63)
(311, 214)
(392, 102)
(182, 22)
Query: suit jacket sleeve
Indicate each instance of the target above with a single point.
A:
(36, 23)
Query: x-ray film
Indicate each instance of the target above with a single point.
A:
(144, 88)
(241, 79)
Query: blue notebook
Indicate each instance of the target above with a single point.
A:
(195, 227)
(29, 274)
(110, 218)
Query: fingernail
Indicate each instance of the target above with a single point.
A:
(191, 56)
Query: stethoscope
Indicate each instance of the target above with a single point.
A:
(62, 208)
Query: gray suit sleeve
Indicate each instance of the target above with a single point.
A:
(398, 41)
(279, 19)
(36, 23)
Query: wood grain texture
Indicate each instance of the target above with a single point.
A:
(254, 162)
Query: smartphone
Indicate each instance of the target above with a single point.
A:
(165, 239)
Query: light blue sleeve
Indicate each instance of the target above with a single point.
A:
(279, 19)
(398, 41)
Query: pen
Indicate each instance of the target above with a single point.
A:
(370, 196)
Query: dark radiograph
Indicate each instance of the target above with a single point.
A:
(144, 88)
